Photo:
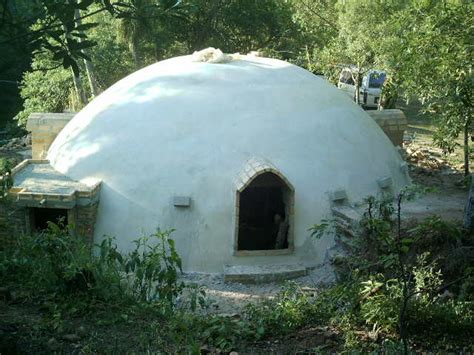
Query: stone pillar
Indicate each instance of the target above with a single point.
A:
(85, 221)
(44, 128)
(393, 123)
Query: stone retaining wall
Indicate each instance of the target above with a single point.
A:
(393, 123)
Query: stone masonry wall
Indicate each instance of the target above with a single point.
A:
(85, 221)
(393, 123)
(44, 128)
(14, 221)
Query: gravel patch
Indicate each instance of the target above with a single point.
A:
(230, 298)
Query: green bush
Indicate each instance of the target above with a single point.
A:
(150, 271)
(45, 93)
(55, 261)
(50, 261)
(289, 310)
(380, 304)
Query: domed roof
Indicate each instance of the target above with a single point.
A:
(180, 127)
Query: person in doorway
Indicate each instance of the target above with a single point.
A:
(281, 227)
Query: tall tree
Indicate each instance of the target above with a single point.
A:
(318, 24)
(87, 62)
(240, 26)
(138, 21)
(435, 51)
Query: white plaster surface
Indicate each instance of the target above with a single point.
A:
(184, 128)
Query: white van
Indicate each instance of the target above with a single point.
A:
(370, 88)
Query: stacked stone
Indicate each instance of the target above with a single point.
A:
(85, 221)
(44, 128)
(393, 123)
(13, 222)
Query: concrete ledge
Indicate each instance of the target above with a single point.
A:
(270, 252)
(49, 119)
(38, 184)
(263, 273)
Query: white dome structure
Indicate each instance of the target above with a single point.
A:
(241, 158)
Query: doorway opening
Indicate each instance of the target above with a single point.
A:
(41, 216)
(265, 214)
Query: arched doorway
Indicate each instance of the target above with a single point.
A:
(265, 213)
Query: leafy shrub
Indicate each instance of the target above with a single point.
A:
(45, 93)
(150, 271)
(6, 180)
(290, 309)
(50, 261)
(380, 304)
(397, 275)
(441, 318)
(55, 261)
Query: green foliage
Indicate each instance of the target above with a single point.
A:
(111, 62)
(431, 47)
(154, 265)
(6, 180)
(380, 305)
(320, 229)
(55, 261)
(290, 310)
(45, 93)
(396, 281)
(50, 261)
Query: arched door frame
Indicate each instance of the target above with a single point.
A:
(254, 168)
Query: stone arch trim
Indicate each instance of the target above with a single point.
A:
(255, 167)
(252, 169)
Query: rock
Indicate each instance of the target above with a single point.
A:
(233, 353)
(5, 294)
(72, 337)
(204, 349)
(231, 315)
(53, 344)
(446, 294)
(81, 331)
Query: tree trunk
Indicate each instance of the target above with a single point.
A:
(308, 60)
(357, 88)
(81, 95)
(88, 64)
(466, 148)
(133, 46)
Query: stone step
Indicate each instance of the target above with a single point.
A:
(263, 273)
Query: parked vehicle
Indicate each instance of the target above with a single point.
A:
(370, 87)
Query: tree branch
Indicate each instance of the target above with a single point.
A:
(50, 27)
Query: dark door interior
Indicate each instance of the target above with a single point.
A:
(260, 203)
(41, 217)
